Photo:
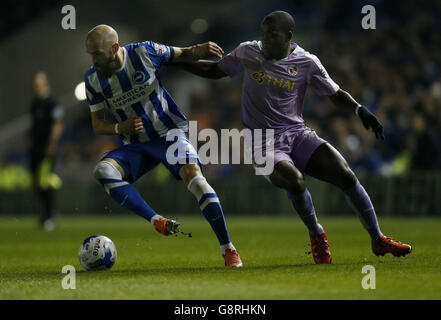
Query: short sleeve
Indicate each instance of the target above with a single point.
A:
(94, 99)
(319, 79)
(158, 53)
(231, 64)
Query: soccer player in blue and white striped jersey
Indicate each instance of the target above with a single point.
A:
(126, 82)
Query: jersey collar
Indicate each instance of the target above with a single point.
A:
(293, 47)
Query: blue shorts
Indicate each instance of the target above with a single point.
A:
(138, 158)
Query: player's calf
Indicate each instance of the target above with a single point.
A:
(121, 191)
(211, 209)
(303, 205)
(287, 176)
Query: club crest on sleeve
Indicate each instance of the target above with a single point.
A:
(160, 49)
(138, 77)
(293, 70)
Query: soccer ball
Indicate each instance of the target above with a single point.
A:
(97, 253)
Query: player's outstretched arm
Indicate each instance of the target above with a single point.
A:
(344, 99)
(189, 59)
(196, 52)
(101, 126)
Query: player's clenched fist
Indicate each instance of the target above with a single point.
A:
(131, 126)
(207, 50)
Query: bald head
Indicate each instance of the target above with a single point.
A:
(102, 36)
(102, 44)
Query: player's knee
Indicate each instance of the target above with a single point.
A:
(100, 171)
(296, 184)
(189, 171)
(293, 181)
(106, 170)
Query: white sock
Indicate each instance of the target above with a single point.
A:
(225, 247)
(199, 186)
(155, 217)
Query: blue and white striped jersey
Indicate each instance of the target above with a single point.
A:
(136, 90)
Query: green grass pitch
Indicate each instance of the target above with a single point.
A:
(273, 249)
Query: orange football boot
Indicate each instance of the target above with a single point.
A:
(166, 226)
(389, 245)
(320, 248)
(232, 259)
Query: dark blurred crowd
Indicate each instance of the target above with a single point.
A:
(394, 70)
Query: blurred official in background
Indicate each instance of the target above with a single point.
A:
(46, 130)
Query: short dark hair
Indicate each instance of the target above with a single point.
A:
(283, 18)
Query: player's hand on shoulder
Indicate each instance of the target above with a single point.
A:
(207, 50)
(131, 126)
(371, 121)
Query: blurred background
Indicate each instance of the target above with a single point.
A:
(393, 70)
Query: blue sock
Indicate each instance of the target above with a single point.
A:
(360, 202)
(303, 205)
(212, 211)
(128, 197)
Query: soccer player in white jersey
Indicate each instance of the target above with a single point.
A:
(276, 73)
(126, 81)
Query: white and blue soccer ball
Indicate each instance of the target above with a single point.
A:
(97, 253)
